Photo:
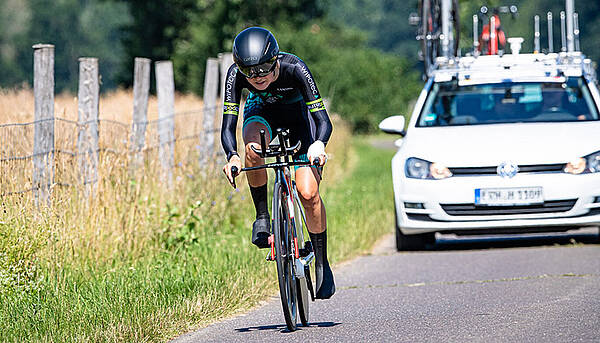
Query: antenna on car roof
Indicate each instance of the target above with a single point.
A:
(475, 35)
(570, 7)
(563, 32)
(536, 34)
(576, 30)
(550, 33)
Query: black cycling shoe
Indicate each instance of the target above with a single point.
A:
(261, 230)
(325, 283)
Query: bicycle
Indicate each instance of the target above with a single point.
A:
(439, 31)
(293, 262)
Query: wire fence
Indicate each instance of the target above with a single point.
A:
(52, 151)
(115, 138)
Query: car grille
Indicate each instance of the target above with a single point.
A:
(535, 168)
(474, 210)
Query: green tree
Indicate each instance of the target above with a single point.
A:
(363, 84)
(214, 24)
(77, 28)
(385, 22)
(153, 31)
(15, 18)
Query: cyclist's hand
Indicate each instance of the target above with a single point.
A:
(317, 149)
(234, 161)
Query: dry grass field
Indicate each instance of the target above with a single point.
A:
(115, 122)
(16, 105)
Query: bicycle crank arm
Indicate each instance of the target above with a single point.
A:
(301, 263)
(299, 268)
(308, 259)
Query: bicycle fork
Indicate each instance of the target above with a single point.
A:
(300, 262)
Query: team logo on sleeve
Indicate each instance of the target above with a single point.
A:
(309, 79)
(231, 108)
(316, 105)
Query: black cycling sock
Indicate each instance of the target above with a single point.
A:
(325, 283)
(259, 197)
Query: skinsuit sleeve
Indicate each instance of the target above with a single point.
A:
(231, 110)
(314, 101)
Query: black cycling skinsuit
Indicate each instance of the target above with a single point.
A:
(286, 103)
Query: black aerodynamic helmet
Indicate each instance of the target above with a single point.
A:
(255, 51)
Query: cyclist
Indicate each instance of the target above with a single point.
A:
(283, 94)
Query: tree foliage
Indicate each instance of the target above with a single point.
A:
(384, 21)
(362, 52)
(77, 28)
(212, 25)
(363, 84)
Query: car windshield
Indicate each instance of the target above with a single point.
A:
(511, 102)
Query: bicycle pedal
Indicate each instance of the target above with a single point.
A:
(271, 254)
(308, 248)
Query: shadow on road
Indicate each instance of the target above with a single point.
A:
(283, 328)
(453, 242)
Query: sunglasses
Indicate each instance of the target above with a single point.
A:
(260, 70)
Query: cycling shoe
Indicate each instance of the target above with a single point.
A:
(325, 283)
(261, 230)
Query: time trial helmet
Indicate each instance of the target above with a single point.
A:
(255, 52)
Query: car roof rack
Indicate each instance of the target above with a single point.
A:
(547, 66)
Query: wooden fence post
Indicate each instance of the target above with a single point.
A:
(165, 88)
(43, 142)
(211, 84)
(87, 140)
(141, 87)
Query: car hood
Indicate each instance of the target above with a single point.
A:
(489, 145)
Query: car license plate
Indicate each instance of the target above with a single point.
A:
(509, 196)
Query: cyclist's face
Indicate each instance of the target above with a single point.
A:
(262, 82)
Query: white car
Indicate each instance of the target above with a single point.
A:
(499, 144)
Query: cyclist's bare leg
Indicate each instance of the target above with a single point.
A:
(257, 180)
(307, 181)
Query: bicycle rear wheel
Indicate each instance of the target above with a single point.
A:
(456, 26)
(284, 256)
(431, 26)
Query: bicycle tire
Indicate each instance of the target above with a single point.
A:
(304, 296)
(430, 26)
(456, 26)
(284, 258)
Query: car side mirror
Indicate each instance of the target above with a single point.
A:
(393, 125)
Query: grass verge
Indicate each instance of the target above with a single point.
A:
(196, 264)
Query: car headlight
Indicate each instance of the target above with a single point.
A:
(417, 168)
(584, 165)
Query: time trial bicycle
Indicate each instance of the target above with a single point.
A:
(292, 254)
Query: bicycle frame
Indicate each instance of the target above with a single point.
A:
(293, 275)
(283, 177)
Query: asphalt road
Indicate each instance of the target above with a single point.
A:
(537, 288)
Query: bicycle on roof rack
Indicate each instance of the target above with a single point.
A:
(438, 31)
(292, 254)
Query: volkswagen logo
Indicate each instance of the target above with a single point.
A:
(507, 169)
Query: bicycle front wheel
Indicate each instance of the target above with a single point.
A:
(284, 256)
(303, 285)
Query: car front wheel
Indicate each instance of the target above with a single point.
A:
(412, 242)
